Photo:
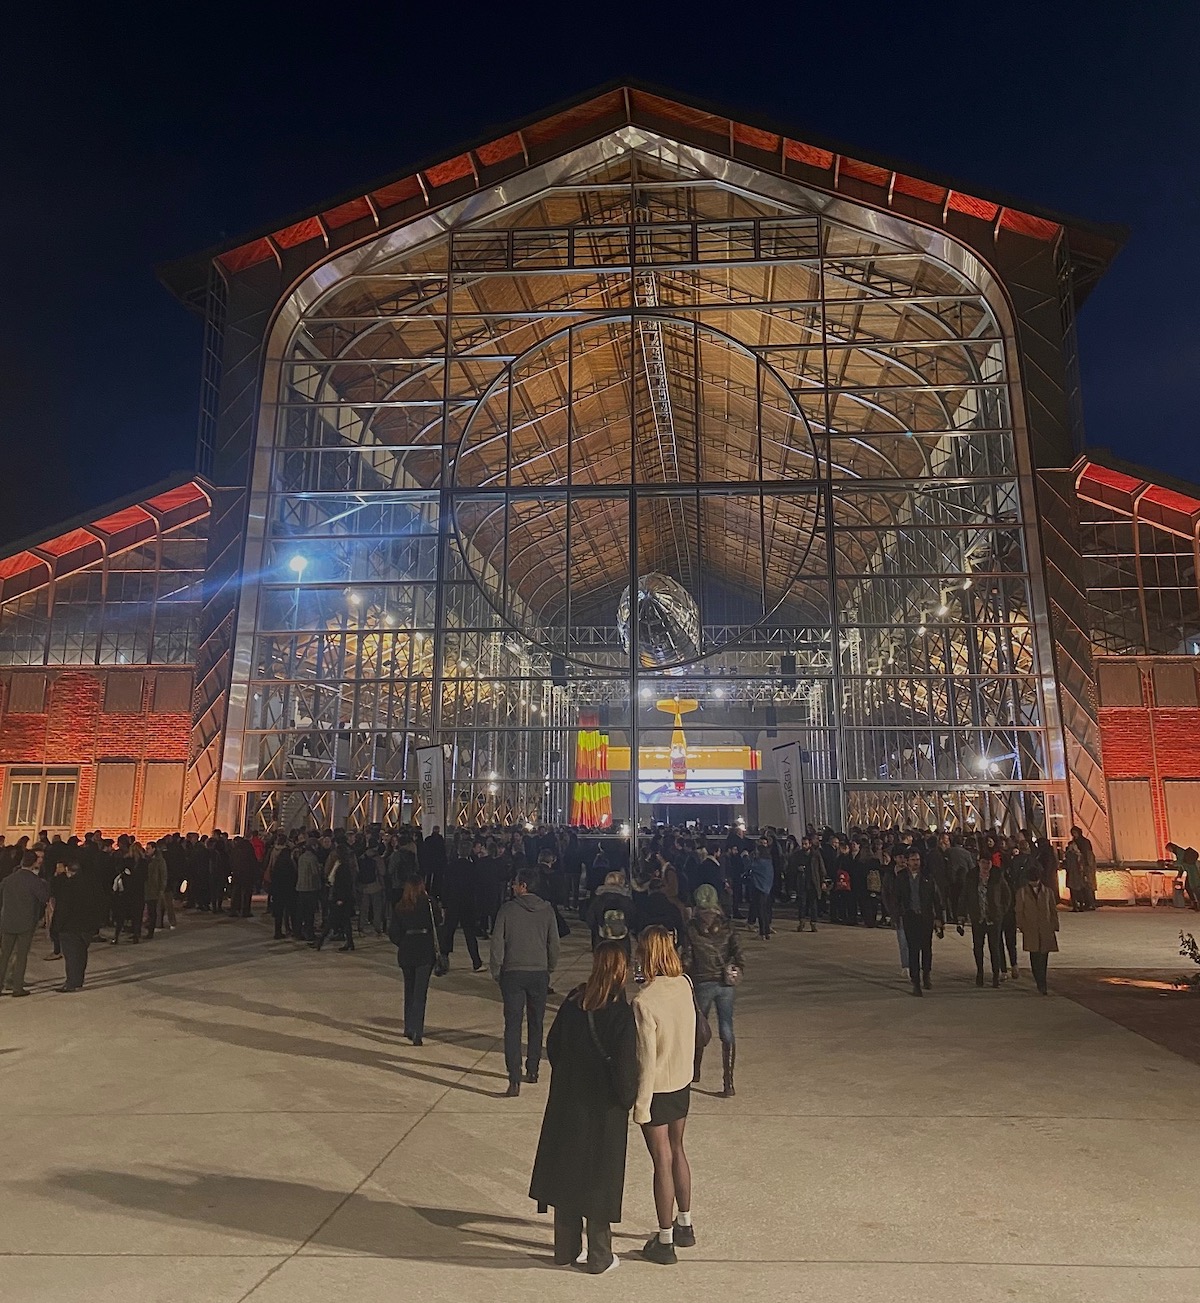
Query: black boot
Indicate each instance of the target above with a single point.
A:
(728, 1060)
(696, 1063)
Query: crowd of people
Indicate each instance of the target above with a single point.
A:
(669, 914)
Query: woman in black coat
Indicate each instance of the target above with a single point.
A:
(580, 1166)
(413, 930)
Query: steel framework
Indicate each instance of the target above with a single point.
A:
(475, 438)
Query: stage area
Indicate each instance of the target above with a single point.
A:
(221, 1118)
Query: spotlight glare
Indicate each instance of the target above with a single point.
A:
(298, 564)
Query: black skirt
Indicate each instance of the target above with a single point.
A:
(669, 1107)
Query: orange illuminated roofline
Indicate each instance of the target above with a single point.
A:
(1137, 492)
(825, 165)
(82, 542)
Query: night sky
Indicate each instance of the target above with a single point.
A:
(131, 141)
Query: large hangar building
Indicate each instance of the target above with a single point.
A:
(608, 455)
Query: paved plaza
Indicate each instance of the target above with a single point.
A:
(221, 1118)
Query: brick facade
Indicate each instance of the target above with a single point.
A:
(75, 730)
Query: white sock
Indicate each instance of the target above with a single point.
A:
(667, 1236)
(684, 1219)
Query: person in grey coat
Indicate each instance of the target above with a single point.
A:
(523, 955)
(23, 897)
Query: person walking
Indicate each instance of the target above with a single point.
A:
(665, 1011)
(73, 911)
(920, 908)
(524, 952)
(457, 890)
(579, 1170)
(762, 884)
(714, 961)
(1037, 919)
(891, 902)
(23, 897)
(987, 899)
(413, 930)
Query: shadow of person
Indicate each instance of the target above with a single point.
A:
(289, 1215)
(307, 1047)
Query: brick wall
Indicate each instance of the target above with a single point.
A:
(75, 730)
(1152, 742)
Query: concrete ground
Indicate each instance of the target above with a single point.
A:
(219, 1117)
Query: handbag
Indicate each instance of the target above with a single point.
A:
(703, 1026)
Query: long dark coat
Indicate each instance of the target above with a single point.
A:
(580, 1164)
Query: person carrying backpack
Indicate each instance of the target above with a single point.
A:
(609, 914)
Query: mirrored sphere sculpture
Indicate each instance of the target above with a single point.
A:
(668, 629)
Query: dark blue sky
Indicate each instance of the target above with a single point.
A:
(130, 141)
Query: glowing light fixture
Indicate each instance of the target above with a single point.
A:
(298, 565)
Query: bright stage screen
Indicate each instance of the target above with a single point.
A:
(704, 787)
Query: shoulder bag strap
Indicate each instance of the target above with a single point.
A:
(591, 1022)
(433, 930)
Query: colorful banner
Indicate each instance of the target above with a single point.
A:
(431, 782)
(591, 795)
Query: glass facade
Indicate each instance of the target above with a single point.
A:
(479, 441)
(137, 606)
(1141, 580)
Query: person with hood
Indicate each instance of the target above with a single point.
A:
(714, 961)
(524, 952)
(579, 1170)
(609, 913)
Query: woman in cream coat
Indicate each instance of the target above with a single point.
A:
(665, 1014)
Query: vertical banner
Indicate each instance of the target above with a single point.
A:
(431, 779)
(789, 767)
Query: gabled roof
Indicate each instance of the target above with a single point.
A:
(86, 539)
(813, 160)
